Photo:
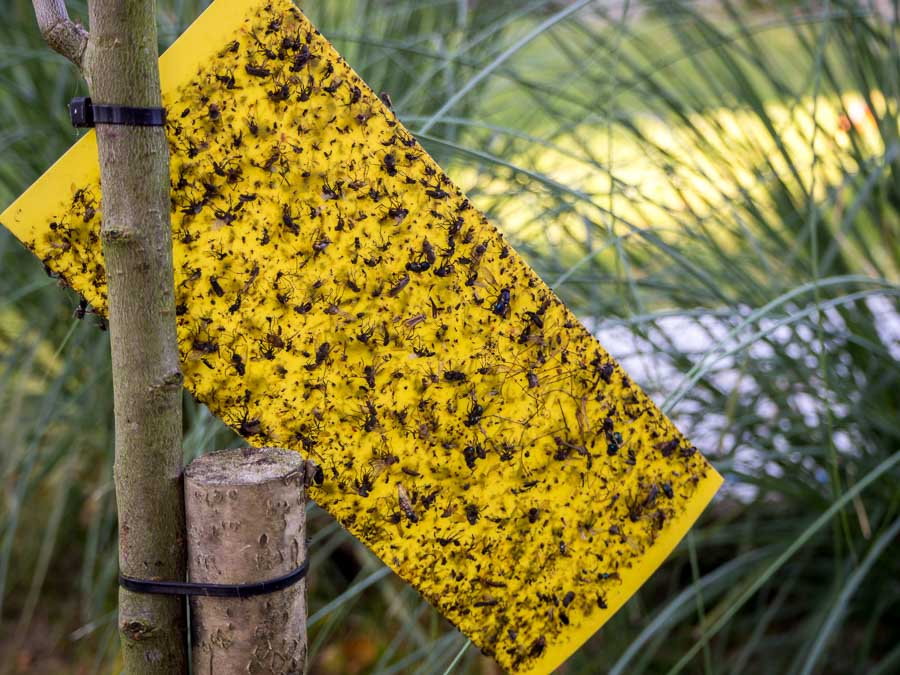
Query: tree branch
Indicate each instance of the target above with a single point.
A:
(59, 31)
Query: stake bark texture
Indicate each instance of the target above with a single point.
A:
(119, 60)
(246, 520)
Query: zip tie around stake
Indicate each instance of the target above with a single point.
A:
(84, 113)
(215, 590)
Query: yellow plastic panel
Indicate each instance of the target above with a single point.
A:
(338, 295)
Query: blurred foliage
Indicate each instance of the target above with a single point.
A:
(714, 187)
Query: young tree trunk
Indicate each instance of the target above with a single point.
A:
(119, 61)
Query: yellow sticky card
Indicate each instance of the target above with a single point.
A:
(338, 295)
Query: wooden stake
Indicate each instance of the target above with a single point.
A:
(246, 522)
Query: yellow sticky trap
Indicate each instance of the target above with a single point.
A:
(338, 295)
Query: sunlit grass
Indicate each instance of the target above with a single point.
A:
(649, 189)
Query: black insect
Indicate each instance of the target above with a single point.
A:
(329, 192)
(428, 499)
(321, 354)
(365, 484)
(238, 364)
(321, 244)
(390, 164)
(227, 80)
(668, 447)
(667, 490)
(398, 213)
(305, 94)
(635, 509)
(214, 112)
(371, 417)
(535, 318)
(613, 442)
(532, 379)
(290, 43)
(444, 270)
(427, 260)
(473, 417)
(216, 286)
(280, 93)
(301, 58)
(386, 99)
(421, 350)
(604, 369)
(506, 451)
(418, 266)
(365, 334)
(533, 515)
(537, 647)
(472, 513)
(82, 309)
(501, 305)
(193, 207)
(455, 376)
(232, 172)
(204, 346)
(385, 334)
(257, 71)
(472, 453)
(318, 475)
(248, 426)
(210, 190)
(287, 219)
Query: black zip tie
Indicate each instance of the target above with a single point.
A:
(85, 114)
(214, 590)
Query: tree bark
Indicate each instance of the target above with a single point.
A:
(119, 59)
(246, 523)
(61, 33)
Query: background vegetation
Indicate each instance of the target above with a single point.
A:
(714, 187)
